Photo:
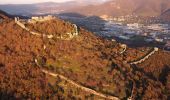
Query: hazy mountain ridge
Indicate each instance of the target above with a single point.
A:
(45, 7)
(97, 7)
(166, 15)
(127, 7)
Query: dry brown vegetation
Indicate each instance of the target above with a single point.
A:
(88, 60)
(19, 76)
(55, 27)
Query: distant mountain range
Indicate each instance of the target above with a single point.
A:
(126, 7)
(166, 15)
(46, 7)
(97, 7)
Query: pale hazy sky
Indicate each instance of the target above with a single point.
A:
(37, 1)
(29, 1)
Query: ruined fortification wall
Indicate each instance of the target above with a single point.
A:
(124, 48)
(146, 57)
(71, 35)
(108, 97)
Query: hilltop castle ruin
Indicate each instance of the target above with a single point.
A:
(45, 18)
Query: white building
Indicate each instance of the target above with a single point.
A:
(159, 40)
(124, 37)
(134, 26)
(158, 27)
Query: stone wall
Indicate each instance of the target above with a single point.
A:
(40, 19)
(146, 57)
(124, 46)
(107, 97)
(70, 35)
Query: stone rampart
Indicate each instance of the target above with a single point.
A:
(70, 35)
(146, 57)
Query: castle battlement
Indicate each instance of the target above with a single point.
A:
(41, 19)
(146, 57)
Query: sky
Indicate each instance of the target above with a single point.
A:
(29, 1)
(35, 1)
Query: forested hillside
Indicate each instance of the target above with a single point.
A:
(87, 60)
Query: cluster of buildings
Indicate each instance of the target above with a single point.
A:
(131, 17)
(157, 32)
(127, 28)
(120, 18)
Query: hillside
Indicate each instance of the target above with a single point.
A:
(86, 60)
(45, 7)
(158, 65)
(4, 15)
(166, 15)
(126, 7)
